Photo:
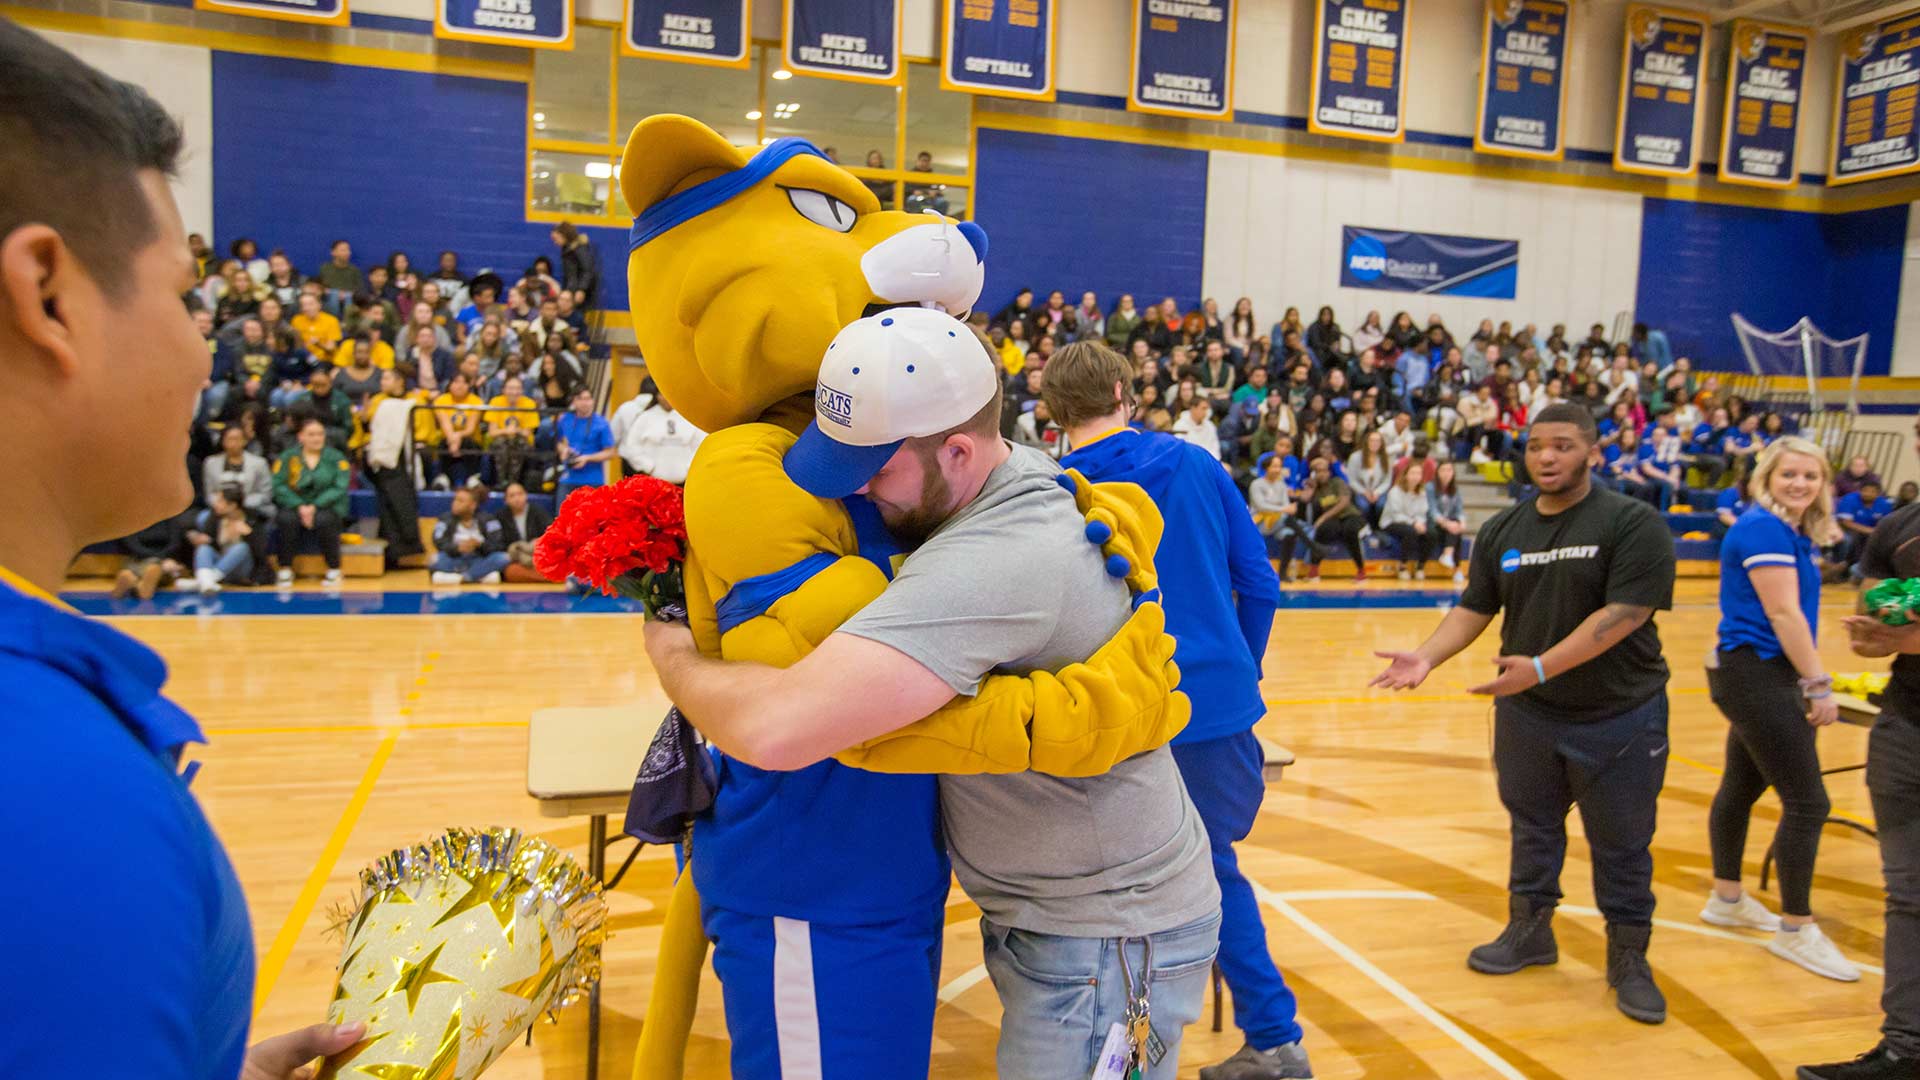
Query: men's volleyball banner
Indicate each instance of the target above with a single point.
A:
(1873, 134)
(845, 39)
(1664, 61)
(1183, 58)
(324, 12)
(1428, 263)
(529, 24)
(1523, 79)
(1359, 69)
(999, 47)
(716, 32)
(1766, 77)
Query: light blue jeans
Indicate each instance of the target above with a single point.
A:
(235, 561)
(1059, 995)
(472, 567)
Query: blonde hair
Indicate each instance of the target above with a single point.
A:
(1818, 521)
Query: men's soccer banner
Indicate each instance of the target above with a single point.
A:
(1183, 58)
(857, 40)
(1428, 263)
(1766, 77)
(1664, 61)
(1359, 72)
(529, 24)
(1879, 80)
(1523, 79)
(999, 47)
(715, 32)
(323, 12)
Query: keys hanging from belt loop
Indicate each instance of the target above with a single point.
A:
(1139, 1015)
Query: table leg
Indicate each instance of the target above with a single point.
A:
(596, 866)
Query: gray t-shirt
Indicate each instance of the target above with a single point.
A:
(1010, 584)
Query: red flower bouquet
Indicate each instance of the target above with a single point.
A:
(626, 539)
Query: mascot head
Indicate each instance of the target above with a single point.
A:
(742, 268)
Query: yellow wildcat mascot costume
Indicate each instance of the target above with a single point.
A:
(830, 882)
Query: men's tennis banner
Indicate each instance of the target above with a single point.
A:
(845, 39)
(999, 47)
(529, 24)
(1428, 263)
(324, 12)
(1359, 72)
(1664, 60)
(715, 32)
(1873, 133)
(1766, 78)
(1182, 58)
(1523, 79)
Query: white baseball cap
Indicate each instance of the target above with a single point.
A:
(902, 374)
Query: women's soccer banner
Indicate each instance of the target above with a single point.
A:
(529, 24)
(1661, 76)
(1523, 79)
(1766, 77)
(1182, 58)
(1359, 73)
(1873, 109)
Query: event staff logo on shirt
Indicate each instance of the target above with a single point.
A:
(1366, 258)
(835, 405)
(1512, 559)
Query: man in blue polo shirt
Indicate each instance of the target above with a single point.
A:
(585, 442)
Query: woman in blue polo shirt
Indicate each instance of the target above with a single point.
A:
(1767, 679)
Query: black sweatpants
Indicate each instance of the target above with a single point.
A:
(1769, 744)
(1346, 530)
(326, 527)
(1893, 779)
(1415, 547)
(1612, 770)
(399, 511)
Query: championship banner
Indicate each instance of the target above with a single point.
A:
(1182, 58)
(1661, 75)
(1359, 75)
(1003, 48)
(1428, 263)
(856, 40)
(321, 12)
(529, 24)
(1523, 79)
(1766, 75)
(714, 32)
(1873, 108)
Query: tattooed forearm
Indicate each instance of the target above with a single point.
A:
(1624, 618)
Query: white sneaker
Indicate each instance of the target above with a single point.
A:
(1812, 950)
(1404, 575)
(1745, 913)
(491, 579)
(333, 579)
(284, 577)
(208, 579)
(1446, 558)
(446, 577)
(1420, 574)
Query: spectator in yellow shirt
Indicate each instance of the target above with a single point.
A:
(511, 419)
(458, 411)
(319, 331)
(379, 352)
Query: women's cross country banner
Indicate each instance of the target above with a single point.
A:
(1873, 134)
(857, 40)
(1359, 69)
(999, 47)
(1523, 79)
(1663, 64)
(1428, 263)
(1182, 58)
(324, 12)
(715, 32)
(1766, 77)
(529, 24)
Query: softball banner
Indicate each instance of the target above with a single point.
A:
(1182, 58)
(1664, 62)
(1766, 78)
(1873, 108)
(1000, 47)
(1523, 79)
(715, 32)
(1359, 86)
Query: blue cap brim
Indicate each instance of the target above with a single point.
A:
(831, 469)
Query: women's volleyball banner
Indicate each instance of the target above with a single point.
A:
(999, 47)
(1766, 76)
(1661, 76)
(715, 32)
(1873, 133)
(845, 39)
(1182, 58)
(1523, 79)
(1359, 87)
(529, 24)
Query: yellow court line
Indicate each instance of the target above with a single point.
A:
(1716, 770)
(283, 942)
(362, 729)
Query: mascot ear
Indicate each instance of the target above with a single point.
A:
(668, 153)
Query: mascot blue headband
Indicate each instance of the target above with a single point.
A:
(680, 208)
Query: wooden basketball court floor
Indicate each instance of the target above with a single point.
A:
(1381, 855)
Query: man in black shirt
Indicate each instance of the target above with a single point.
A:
(1893, 779)
(1581, 710)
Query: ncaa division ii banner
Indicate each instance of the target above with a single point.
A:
(858, 40)
(323, 12)
(1182, 58)
(1661, 76)
(1766, 75)
(1873, 110)
(999, 47)
(1359, 74)
(529, 24)
(1428, 263)
(1523, 79)
(715, 32)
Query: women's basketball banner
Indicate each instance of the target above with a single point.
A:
(1766, 77)
(1523, 79)
(529, 24)
(1182, 58)
(1359, 69)
(1873, 135)
(323, 12)
(999, 47)
(715, 32)
(845, 39)
(1661, 77)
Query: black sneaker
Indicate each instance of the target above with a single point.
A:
(1527, 941)
(1636, 994)
(1879, 1063)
